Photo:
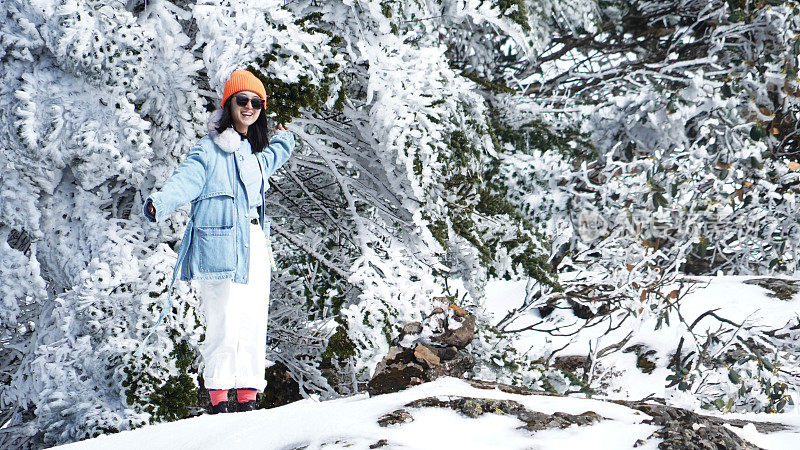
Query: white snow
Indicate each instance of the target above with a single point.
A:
(729, 296)
(352, 422)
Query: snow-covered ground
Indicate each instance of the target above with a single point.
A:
(729, 296)
(352, 422)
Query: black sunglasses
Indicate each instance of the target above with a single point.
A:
(257, 103)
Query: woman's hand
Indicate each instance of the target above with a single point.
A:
(281, 127)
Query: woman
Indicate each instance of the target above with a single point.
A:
(226, 245)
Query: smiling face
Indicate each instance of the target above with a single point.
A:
(244, 116)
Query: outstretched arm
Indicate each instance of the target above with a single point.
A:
(279, 149)
(183, 186)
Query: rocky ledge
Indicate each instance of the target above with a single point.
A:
(679, 428)
(427, 350)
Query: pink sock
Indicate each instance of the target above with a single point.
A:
(245, 395)
(218, 395)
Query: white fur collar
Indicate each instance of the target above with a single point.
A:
(229, 140)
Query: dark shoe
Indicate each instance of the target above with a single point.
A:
(247, 406)
(221, 407)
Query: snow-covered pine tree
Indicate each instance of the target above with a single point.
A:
(391, 198)
(418, 145)
(690, 113)
(83, 82)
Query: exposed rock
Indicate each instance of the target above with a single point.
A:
(468, 406)
(571, 363)
(679, 429)
(399, 355)
(663, 414)
(459, 337)
(782, 289)
(541, 421)
(379, 444)
(462, 363)
(534, 421)
(445, 353)
(509, 389)
(412, 328)
(434, 346)
(395, 417)
(409, 335)
(396, 378)
(396, 355)
(436, 324)
(682, 429)
(580, 310)
(693, 436)
(643, 357)
(457, 310)
(281, 389)
(548, 308)
(425, 356)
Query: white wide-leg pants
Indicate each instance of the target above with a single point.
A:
(235, 346)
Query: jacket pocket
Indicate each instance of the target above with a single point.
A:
(216, 249)
(214, 209)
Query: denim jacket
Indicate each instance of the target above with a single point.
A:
(216, 242)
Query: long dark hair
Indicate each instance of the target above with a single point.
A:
(257, 133)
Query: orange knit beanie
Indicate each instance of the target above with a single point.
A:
(243, 80)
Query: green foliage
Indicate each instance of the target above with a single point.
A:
(518, 15)
(339, 345)
(323, 289)
(174, 398)
(168, 400)
(439, 231)
(538, 135)
(386, 8)
(340, 100)
(499, 86)
(480, 208)
(285, 100)
(682, 377)
(575, 380)
(461, 150)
